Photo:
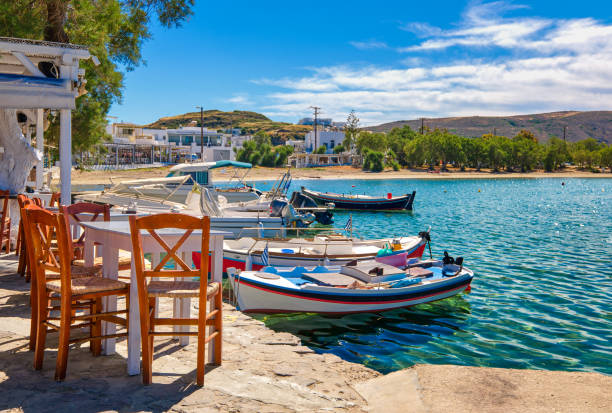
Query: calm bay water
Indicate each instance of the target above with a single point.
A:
(542, 295)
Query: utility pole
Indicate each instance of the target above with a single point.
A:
(316, 110)
(494, 131)
(564, 132)
(422, 125)
(201, 132)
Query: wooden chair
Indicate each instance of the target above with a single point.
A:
(87, 212)
(149, 291)
(23, 267)
(52, 272)
(55, 199)
(5, 222)
(74, 293)
(38, 202)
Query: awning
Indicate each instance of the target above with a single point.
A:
(25, 92)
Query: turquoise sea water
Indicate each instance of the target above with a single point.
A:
(542, 295)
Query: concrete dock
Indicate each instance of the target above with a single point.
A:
(265, 371)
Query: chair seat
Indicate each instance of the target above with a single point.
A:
(77, 272)
(179, 289)
(89, 285)
(124, 260)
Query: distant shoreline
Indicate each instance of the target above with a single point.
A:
(328, 173)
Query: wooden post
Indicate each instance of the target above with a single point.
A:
(40, 140)
(65, 148)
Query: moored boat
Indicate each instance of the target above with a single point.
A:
(362, 202)
(332, 249)
(360, 287)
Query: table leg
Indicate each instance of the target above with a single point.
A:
(88, 254)
(133, 362)
(217, 259)
(185, 308)
(216, 273)
(110, 268)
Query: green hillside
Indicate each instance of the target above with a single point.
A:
(250, 122)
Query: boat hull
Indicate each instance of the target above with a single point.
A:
(262, 297)
(241, 261)
(374, 204)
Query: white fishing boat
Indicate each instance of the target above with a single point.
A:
(249, 253)
(235, 190)
(237, 218)
(359, 287)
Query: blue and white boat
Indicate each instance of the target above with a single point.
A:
(361, 287)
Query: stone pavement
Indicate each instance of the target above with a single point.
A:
(265, 371)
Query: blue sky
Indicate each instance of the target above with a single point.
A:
(387, 60)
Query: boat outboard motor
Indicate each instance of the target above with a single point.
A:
(447, 260)
(302, 201)
(290, 215)
(276, 207)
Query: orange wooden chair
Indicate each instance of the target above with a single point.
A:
(5, 222)
(52, 271)
(87, 212)
(23, 267)
(74, 292)
(180, 285)
(55, 199)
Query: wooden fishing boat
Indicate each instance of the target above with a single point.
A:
(332, 249)
(364, 287)
(362, 202)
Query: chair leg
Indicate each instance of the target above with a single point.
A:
(41, 329)
(34, 303)
(147, 357)
(218, 327)
(18, 242)
(96, 328)
(201, 361)
(64, 339)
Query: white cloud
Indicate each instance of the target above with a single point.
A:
(242, 100)
(542, 65)
(370, 44)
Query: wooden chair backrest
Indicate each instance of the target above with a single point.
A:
(55, 199)
(23, 200)
(95, 212)
(42, 227)
(4, 198)
(38, 202)
(187, 223)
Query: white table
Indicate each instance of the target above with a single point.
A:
(115, 235)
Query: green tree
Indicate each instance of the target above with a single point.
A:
(262, 138)
(397, 139)
(351, 129)
(321, 150)
(372, 141)
(339, 149)
(526, 150)
(114, 31)
(605, 157)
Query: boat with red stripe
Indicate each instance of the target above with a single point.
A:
(368, 286)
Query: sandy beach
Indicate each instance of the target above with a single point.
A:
(332, 172)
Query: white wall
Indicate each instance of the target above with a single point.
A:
(324, 138)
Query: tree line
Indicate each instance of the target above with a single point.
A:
(404, 147)
(259, 151)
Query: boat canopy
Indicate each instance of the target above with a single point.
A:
(203, 166)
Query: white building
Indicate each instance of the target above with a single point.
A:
(330, 139)
(297, 144)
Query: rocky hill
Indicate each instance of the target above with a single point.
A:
(580, 125)
(251, 122)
